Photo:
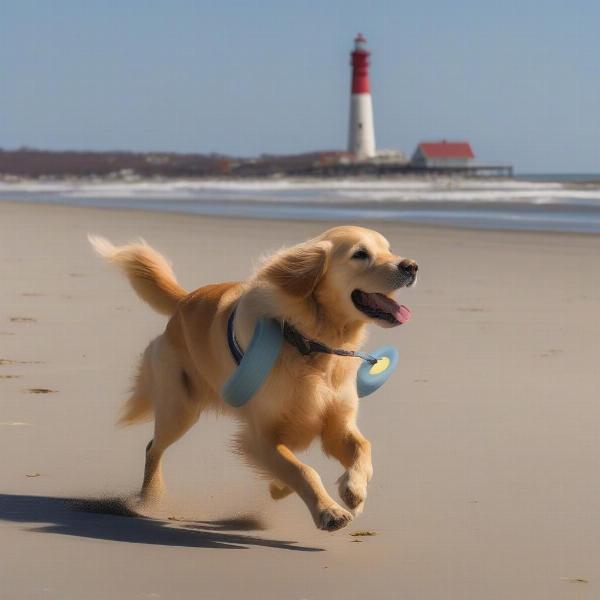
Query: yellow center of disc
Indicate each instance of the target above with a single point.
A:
(380, 366)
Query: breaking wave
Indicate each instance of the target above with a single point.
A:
(505, 204)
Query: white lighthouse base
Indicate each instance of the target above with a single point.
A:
(361, 139)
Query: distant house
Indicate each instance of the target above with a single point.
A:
(442, 155)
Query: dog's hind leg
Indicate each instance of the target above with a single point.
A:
(172, 422)
(177, 406)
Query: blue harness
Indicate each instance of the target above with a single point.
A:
(254, 365)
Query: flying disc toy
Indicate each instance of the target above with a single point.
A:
(371, 377)
(255, 364)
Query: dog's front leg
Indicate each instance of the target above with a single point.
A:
(306, 482)
(343, 440)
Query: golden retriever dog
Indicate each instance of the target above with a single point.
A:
(328, 289)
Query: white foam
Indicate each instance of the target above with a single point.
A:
(476, 202)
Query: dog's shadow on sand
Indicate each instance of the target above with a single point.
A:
(112, 519)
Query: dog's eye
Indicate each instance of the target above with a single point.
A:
(361, 255)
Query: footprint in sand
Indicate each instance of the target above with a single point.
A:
(10, 376)
(40, 391)
(22, 320)
(8, 361)
(551, 352)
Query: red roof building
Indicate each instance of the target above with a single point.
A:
(443, 154)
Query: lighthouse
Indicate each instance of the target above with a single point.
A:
(361, 135)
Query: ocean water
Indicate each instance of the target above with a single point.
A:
(545, 203)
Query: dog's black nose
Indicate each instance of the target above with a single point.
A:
(408, 266)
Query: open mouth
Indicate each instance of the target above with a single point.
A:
(380, 306)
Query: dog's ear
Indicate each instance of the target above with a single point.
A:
(297, 271)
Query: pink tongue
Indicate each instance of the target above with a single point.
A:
(402, 313)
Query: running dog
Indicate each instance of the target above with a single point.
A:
(327, 289)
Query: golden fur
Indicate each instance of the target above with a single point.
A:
(304, 397)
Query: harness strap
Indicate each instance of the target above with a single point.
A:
(234, 347)
(307, 346)
(291, 335)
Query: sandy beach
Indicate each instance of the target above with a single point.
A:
(486, 445)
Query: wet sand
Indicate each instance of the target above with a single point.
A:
(486, 445)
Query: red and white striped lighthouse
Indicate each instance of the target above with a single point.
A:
(361, 136)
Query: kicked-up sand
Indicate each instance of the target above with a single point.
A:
(486, 440)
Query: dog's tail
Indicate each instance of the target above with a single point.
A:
(148, 271)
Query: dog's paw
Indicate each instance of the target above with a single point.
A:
(279, 490)
(333, 518)
(353, 491)
(144, 505)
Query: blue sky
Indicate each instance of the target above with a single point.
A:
(519, 79)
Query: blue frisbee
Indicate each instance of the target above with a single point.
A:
(371, 377)
(255, 364)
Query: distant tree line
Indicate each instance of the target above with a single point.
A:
(32, 163)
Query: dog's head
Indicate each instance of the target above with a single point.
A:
(347, 273)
